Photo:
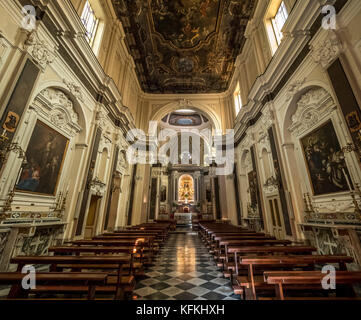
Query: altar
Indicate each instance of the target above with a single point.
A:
(183, 218)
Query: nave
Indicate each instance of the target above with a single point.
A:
(125, 122)
(155, 261)
(184, 270)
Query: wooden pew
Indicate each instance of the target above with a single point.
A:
(56, 282)
(159, 234)
(148, 239)
(142, 247)
(224, 244)
(266, 250)
(285, 278)
(215, 244)
(173, 223)
(99, 250)
(232, 268)
(56, 263)
(210, 234)
(162, 231)
(263, 262)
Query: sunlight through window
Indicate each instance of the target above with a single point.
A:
(279, 21)
(90, 22)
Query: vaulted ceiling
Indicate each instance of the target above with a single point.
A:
(184, 46)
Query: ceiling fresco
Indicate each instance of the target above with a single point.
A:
(184, 46)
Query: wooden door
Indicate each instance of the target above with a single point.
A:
(277, 221)
(91, 222)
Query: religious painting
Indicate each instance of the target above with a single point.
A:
(185, 23)
(45, 155)
(11, 122)
(253, 185)
(325, 161)
(186, 189)
(186, 46)
(163, 194)
(208, 193)
(17, 103)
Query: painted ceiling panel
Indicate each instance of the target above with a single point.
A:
(184, 46)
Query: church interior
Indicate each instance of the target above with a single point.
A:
(180, 149)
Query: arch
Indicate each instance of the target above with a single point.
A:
(77, 105)
(291, 107)
(173, 106)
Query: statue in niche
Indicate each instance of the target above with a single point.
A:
(163, 194)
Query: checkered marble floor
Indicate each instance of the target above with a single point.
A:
(184, 270)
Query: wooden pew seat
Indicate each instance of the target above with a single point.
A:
(55, 282)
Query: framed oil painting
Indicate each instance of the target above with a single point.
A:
(45, 156)
(325, 162)
(253, 185)
(163, 194)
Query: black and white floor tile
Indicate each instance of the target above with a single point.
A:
(184, 270)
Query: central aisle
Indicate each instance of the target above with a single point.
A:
(184, 270)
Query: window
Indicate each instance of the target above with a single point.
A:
(90, 22)
(279, 21)
(237, 99)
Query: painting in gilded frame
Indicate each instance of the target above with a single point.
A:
(325, 161)
(45, 156)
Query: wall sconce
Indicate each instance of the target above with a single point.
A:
(14, 146)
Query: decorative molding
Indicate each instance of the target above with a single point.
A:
(184, 103)
(271, 186)
(293, 88)
(325, 52)
(55, 105)
(74, 89)
(311, 108)
(98, 187)
(339, 206)
(39, 50)
(3, 239)
(329, 242)
(101, 119)
(122, 164)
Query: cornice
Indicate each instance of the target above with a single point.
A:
(299, 30)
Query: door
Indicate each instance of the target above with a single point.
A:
(277, 223)
(91, 222)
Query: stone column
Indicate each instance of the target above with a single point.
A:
(197, 183)
(157, 206)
